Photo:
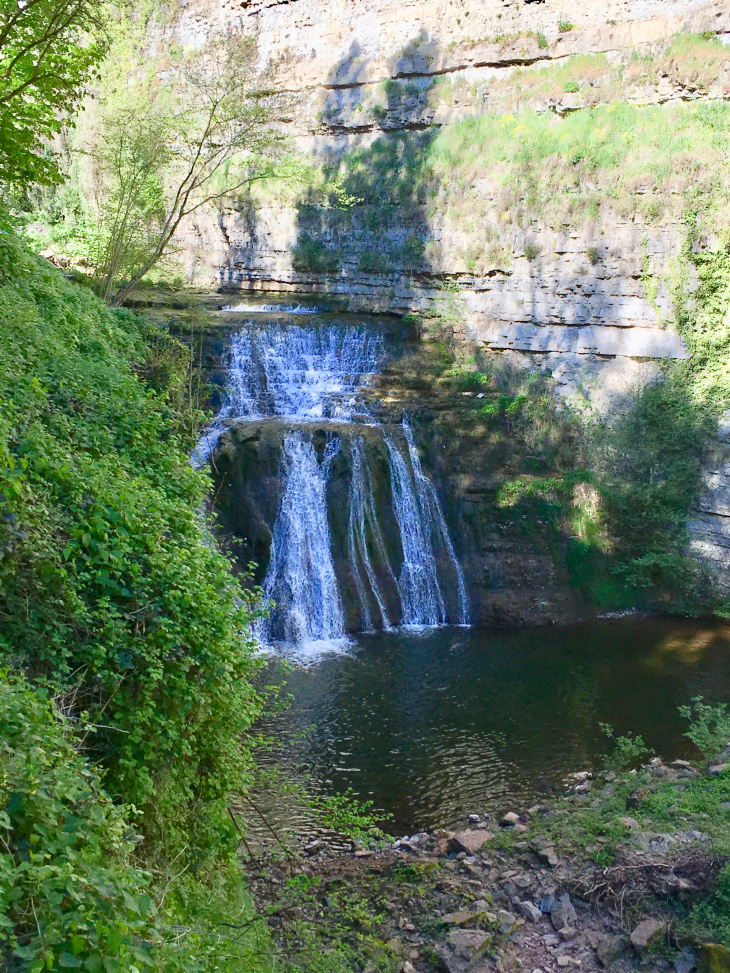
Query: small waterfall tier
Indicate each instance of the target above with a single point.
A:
(348, 530)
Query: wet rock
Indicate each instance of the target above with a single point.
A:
(546, 903)
(469, 841)
(530, 910)
(562, 912)
(685, 961)
(646, 933)
(609, 948)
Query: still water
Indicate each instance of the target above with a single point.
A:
(431, 727)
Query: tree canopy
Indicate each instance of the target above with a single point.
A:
(49, 51)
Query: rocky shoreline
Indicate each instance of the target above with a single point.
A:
(522, 892)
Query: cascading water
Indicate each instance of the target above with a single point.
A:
(362, 515)
(301, 578)
(306, 376)
(434, 522)
(422, 603)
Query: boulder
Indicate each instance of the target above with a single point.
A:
(469, 841)
(510, 819)
(714, 958)
(530, 910)
(609, 948)
(562, 912)
(685, 961)
(646, 933)
(717, 769)
(462, 948)
(567, 934)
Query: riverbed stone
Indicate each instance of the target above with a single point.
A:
(469, 841)
(510, 819)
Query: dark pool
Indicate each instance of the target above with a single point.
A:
(433, 726)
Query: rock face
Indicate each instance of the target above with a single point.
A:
(710, 523)
(589, 305)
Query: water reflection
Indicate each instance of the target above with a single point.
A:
(436, 725)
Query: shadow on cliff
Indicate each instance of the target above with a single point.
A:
(368, 216)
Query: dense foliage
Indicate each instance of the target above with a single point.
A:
(110, 588)
(49, 50)
(69, 892)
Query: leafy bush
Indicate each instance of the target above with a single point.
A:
(709, 726)
(542, 41)
(626, 752)
(372, 262)
(109, 585)
(70, 895)
(571, 86)
(311, 256)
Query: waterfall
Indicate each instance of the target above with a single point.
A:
(303, 376)
(301, 577)
(434, 520)
(362, 513)
(422, 603)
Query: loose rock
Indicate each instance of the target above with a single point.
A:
(530, 910)
(646, 933)
(685, 961)
(469, 841)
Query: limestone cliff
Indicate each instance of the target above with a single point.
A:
(585, 292)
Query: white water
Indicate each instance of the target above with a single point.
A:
(422, 603)
(362, 514)
(434, 522)
(270, 309)
(312, 374)
(301, 577)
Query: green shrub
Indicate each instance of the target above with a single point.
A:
(311, 256)
(626, 751)
(374, 262)
(532, 251)
(709, 726)
(70, 896)
(109, 585)
(542, 41)
(564, 26)
(571, 86)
